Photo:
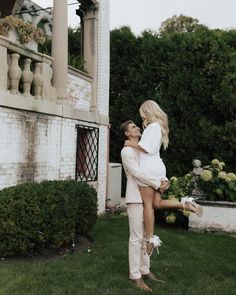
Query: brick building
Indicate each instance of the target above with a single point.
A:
(54, 120)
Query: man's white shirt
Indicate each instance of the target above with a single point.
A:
(130, 161)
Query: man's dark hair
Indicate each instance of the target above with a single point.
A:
(124, 126)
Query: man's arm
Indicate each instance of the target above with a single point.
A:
(129, 160)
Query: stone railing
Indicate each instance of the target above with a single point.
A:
(26, 83)
(25, 72)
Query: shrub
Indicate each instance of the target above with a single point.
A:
(217, 184)
(179, 187)
(37, 216)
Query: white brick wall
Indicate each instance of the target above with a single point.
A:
(79, 92)
(103, 57)
(102, 167)
(35, 147)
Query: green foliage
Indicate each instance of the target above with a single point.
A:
(192, 77)
(36, 216)
(180, 24)
(75, 58)
(46, 47)
(87, 208)
(74, 48)
(180, 187)
(217, 184)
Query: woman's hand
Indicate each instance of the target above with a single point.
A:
(164, 186)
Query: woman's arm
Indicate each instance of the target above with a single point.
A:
(134, 145)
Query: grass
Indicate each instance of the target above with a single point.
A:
(191, 263)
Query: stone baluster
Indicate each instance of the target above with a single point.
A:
(37, 80)
(27, 77)
(14, 73)
(3, 69)
(49, 92)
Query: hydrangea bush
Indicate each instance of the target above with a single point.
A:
(217, 184)
(179, 187)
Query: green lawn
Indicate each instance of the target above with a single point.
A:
(191, 263)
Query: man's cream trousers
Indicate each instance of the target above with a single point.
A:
(139, 263)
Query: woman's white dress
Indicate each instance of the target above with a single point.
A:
(151, 142)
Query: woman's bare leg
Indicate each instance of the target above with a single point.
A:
(160, 204)
(147, 194)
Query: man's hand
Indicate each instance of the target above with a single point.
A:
(164, 186)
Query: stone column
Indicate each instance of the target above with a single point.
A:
(90, 40)
(89, 25)
(60, 48)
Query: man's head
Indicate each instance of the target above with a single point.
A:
(130, 130)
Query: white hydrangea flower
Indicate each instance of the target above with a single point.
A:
(215, 162)
(206, 175)
(231, 175)
(222, 175)
(171, 218)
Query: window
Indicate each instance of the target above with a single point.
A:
(87, 153)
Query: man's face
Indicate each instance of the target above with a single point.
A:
(133, 131)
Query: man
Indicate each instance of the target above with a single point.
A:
(139, 263)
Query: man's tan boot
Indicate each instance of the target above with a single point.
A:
(141, 285)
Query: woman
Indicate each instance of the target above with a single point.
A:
(156, 131)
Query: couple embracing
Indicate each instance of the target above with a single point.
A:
(146, 181)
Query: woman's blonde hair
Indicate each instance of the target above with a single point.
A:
(150, 112)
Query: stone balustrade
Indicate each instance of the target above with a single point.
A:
(25, 72)
(26, 83)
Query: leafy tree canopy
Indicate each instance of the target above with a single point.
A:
(192, 77)
(181, 24)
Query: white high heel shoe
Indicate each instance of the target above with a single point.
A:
(190, 200)
(156, 242)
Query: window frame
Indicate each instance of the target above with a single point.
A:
(90, 174)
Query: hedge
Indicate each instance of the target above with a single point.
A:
(46, 215)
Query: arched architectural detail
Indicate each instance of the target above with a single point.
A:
(17, 6)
